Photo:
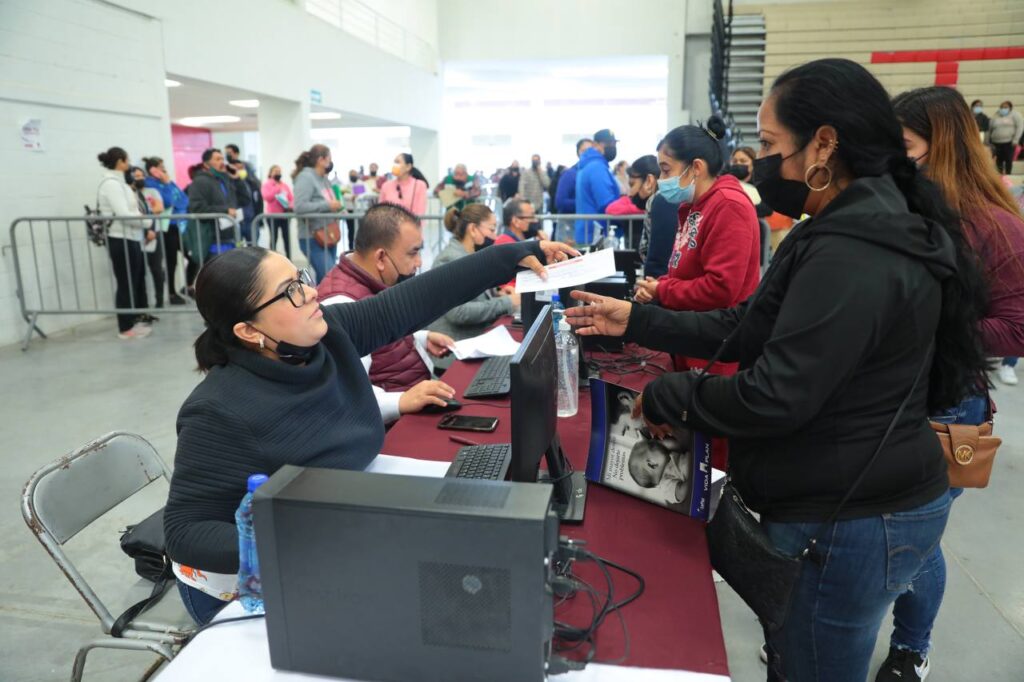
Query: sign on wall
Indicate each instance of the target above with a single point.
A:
(32, 134)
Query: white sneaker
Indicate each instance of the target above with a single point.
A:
(139, 331)
(1007, 375)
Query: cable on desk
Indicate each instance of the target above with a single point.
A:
(215, 623)
(500, 407)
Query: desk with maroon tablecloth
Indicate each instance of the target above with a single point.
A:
(675, 623)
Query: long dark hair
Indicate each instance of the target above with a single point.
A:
(843, 94)
(415, 172)
(227, 291)
(690, 142)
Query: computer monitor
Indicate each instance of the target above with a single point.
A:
(393, 578)
(534, 377)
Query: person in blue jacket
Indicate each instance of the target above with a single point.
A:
(595, 185)
(565, 197)
(174, 198)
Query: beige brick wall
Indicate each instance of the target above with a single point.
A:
(797, 33)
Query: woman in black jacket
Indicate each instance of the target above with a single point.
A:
(870, 291)
(285, 385)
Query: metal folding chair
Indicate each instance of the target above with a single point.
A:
(66, 496)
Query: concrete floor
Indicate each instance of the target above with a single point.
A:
(76, 386)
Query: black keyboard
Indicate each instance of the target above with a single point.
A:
(487, 462)
(491, 380)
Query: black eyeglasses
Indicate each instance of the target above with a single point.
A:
(295, 292)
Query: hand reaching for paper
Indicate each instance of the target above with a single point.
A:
(600, 315)
(554, 252)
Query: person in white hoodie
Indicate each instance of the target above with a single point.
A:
(125, 237)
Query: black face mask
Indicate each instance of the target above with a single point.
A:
(532, 229)
(289, 353)
(739, 171)
(488, 241)
(353, 179)
(401, 277)
(785, 196)
(639, 201)
(610, 152)
(139, 184)
(277, 178)
(514, 172)
(329, 168)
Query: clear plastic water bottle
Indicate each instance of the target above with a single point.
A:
(568, 351)
(557, 311)
(250, 589)
(614, 242)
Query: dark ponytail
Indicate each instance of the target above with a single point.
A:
(844, 95)
(308, 159)
(110, 157)
(690, 142)
(415, 172)
(228, 288)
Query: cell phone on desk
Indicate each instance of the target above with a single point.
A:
(462, 422)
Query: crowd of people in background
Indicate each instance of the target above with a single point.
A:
(225, 184)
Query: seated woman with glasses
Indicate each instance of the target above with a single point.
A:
(473, 228)
(284, 384)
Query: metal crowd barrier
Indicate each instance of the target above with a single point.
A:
(63, 265)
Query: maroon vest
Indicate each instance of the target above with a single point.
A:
(396, 366)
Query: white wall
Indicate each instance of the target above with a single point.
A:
(89, 72)
(276, 48)
(569, 29)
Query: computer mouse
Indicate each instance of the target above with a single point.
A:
(437, 409)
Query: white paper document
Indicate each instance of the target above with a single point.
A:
(569, 273)
(407, 466)
(495, 342)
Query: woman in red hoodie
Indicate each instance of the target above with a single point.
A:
(715, 262)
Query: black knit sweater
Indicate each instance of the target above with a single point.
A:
(255, 414)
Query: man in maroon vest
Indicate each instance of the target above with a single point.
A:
(387, 250)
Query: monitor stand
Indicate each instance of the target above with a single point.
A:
(570, 490)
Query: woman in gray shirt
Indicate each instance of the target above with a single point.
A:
(472, 229)
(313, 194)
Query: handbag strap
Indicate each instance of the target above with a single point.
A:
(136, 609)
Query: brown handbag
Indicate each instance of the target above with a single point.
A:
(970, 452)
(328, 236)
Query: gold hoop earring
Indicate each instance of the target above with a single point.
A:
(814, 169)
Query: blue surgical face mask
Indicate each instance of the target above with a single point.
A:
(1003, 111)
(671, 192)
(978, 109)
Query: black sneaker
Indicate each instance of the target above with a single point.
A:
(902, 665)
(177, 300)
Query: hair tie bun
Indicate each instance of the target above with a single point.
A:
(706, 129)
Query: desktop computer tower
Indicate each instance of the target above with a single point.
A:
(395, 578)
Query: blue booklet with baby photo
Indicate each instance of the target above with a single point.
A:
(674, 472)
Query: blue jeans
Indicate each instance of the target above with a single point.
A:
(915, 611)
(1010, 362)
(201, 606)
(838, 603)
(320, 259)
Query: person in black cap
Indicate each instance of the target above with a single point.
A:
(596, 187)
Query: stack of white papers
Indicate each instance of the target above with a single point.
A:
(495, 342)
